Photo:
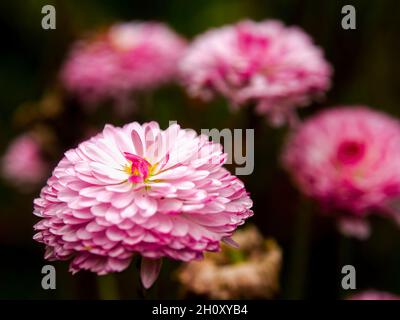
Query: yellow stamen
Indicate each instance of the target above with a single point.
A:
(127, 168)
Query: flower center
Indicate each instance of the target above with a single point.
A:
(139, 169)
(350, 152)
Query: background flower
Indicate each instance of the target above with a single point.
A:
(126, 57)
(248, 272)
(23, 164)
(348, 159)
(276, 67)
(373, 295)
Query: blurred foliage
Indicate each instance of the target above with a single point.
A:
(366, 72)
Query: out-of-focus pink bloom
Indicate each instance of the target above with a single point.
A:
(349, 159)
(139, 190)
(23, 164)
(373, 295)
(127, 57)
(277, 67)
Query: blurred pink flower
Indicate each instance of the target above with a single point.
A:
(373, 295)
(349, 159)
(23, 164)
(139, 190)
(277, 67)
(127, 57)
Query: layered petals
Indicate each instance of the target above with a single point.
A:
(348, 159)
(127, 57)
(275, 67)
(139, 190)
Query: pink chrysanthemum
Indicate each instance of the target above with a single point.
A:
(276, 67)
(373, 295)
(349, 159)
(139, 190)
(127, 57)
(23, 164)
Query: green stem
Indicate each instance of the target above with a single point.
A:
(108, 287)
(300, 254)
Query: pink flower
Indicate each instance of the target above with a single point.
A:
(374, 295)
(139, 190)
(23, 164)
(127, 57)
(349, 159)
(276, 67)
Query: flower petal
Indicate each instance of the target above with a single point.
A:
(149, 271)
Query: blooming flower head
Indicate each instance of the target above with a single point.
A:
(127, 57)
(266, 63)
(139, 190)
(374, 295)
(22, 163)
(349, 159)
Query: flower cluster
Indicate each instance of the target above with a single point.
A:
(138, 190)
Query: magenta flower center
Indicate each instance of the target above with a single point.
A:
(350, 152)
(139, 168)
